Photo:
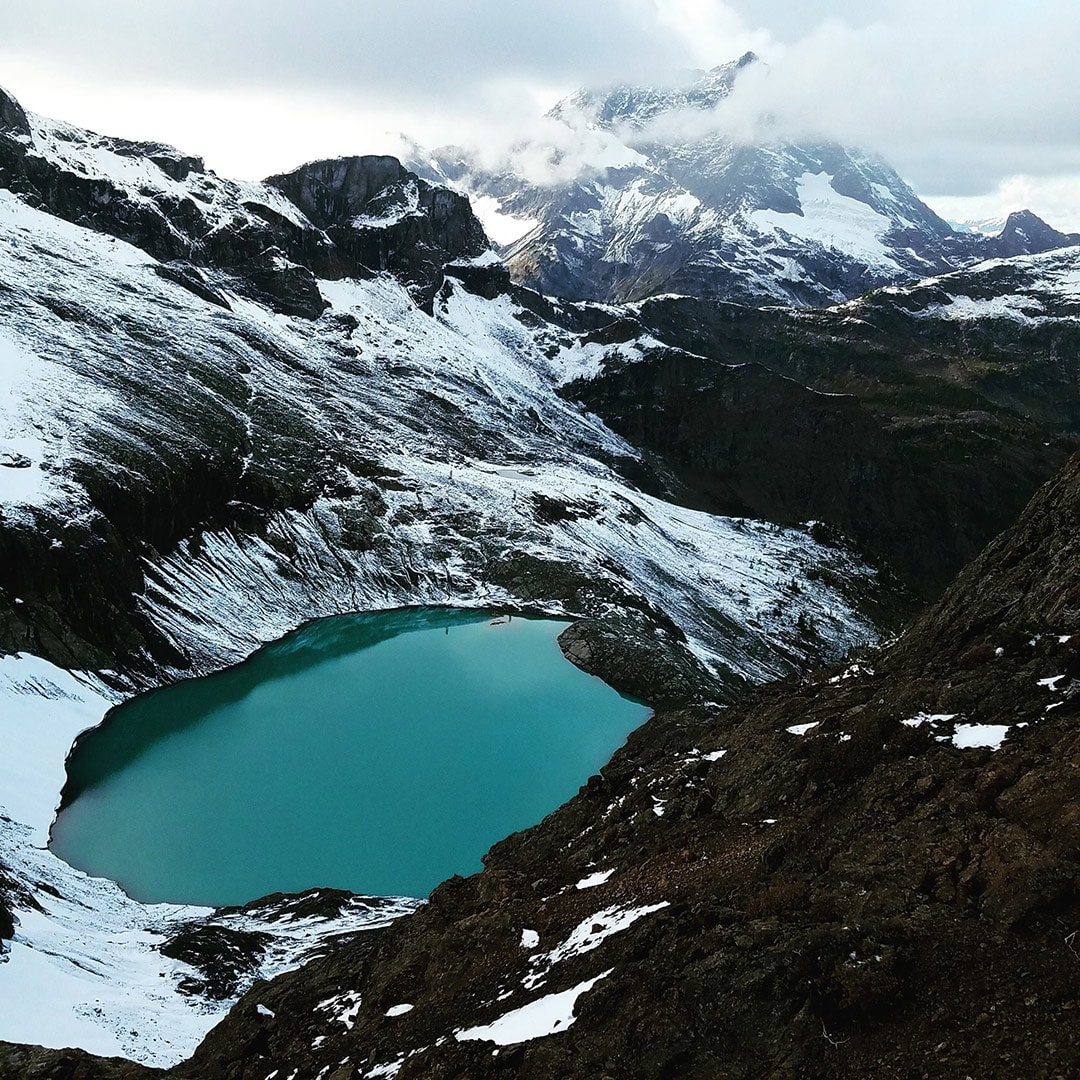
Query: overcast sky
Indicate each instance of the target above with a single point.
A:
(976, 102)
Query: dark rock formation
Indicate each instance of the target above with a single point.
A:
(383, 217)
(282, 285)
(225, 958)
(1026, 234)
(487, 281)
(193, 279)
(19, 1062)
(12, 117)
(638, 660)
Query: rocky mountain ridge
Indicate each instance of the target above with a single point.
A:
(915, 418)
(367, 214)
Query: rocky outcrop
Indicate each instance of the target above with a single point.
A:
(640, 660)
(837, 877)
(381, 216)
(284, 286)
(349, 217)
(12, 117)
(1025, 233)
(18, 1062)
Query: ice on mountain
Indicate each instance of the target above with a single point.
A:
(970, 736)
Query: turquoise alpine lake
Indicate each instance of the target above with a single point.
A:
(379, 753)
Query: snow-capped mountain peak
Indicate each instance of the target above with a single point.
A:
(633, 107)
(640, 190)
(666, 201)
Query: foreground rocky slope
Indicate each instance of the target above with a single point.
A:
(872, 871)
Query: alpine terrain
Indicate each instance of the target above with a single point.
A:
(634, 191)
(741, 413)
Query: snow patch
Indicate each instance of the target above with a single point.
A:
(547, 1015)
(832, 220)
(505, 229)
(928, 718)
(589, 934)
(968, 736)
(592, 880)
(344, 1008)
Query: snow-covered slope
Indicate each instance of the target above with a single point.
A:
(86, 967)
(636, 191)
(1032, 290)
(408, 453)
(205, 442)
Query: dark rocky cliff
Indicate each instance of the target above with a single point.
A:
(381, 216)
(918, 433)
(351, 217)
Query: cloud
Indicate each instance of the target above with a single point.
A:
(401, 51)
(1055, 199)
(959, 95)
(711, 32)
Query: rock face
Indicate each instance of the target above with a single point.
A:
(638, 660)
(13, 119)
(645, 194)
(381, 216)
(23, 1062)
(868, 872)
(915, 420)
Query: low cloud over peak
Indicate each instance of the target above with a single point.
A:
(963, 97)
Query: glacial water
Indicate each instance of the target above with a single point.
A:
(380, 753)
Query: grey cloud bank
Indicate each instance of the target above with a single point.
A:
(962, 97)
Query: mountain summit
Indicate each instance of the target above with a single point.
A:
(637, 191)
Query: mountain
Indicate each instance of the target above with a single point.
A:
(635, 191)
(226, 409)
(990, 226)
(225, 412)
(1026, 234)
